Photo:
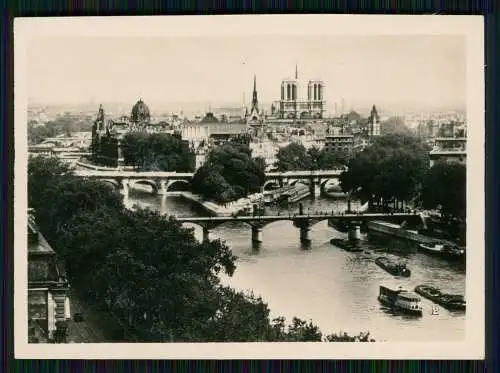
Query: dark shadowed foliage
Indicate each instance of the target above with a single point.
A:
(229, 173)
(147, 269)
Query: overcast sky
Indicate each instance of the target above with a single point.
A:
(418, 70)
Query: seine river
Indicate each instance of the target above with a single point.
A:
(335, 289)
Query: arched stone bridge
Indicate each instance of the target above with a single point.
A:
(303, 222)
(161, 182)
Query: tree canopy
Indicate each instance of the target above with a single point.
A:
(394, 125)
(445, 188)
(157, 152)
(295, 157)
(229, 173)
(392, 168)
(149, 270)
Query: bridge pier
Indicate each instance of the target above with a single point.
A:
(206, 234)
(124, 187)
(161, 188)
(354, 233)
(312, 189)
(121, 160)
(256, 237)
(304, 235)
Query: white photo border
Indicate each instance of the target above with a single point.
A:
(26, 30)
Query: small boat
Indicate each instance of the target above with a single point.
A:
(443, 250)
(346, 245)
(400, 300)
(452, 302)
(395, 269)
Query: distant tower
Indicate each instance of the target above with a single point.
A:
(254, 111)
(374, 123)
(288, 101)
(255, 101)
(315, 98)
(296, 72)
(99, 122)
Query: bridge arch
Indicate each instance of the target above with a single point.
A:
(305, 181)
(271, 184)
(330, 182)
(114, 183)
(148, 182)
(268, 224)
(174, 184)
(211, 225)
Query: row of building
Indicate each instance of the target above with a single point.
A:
(292, 120)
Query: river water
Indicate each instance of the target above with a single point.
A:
(335, 289)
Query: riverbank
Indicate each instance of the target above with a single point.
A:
(229, 209)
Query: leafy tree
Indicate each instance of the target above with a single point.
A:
(445, 187)
(229, 173)
(392, 168)
(147, 268)
(394, 125)
(293, 157)
(324, 160)
(157, 152)
(43, 173)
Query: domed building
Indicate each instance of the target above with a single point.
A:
(140, 113)
(209, 118)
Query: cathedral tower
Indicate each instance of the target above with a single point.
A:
(374, 123)
(254, 111)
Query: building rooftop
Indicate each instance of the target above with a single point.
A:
(223, 129)
(42, 260)
(36, 242)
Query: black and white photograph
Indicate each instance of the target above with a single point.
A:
(242, 186)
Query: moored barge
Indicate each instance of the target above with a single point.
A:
(443, 250)
(346, 245)
(452, 302)
(395, 269)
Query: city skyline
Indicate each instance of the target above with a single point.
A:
(403, 71)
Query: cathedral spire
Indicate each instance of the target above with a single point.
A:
(296, 72)
(255, 102)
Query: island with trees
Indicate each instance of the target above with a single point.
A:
(229, 173)
(147, 269)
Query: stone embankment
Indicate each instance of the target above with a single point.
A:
(228, 209)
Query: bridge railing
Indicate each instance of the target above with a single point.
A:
(122, 173)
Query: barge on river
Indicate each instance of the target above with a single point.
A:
(452, 302)
(400, 300)
(446, 251)
(347, 245)
(395, 269)
(386, 229)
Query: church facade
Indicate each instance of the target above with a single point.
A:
(292, 106)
